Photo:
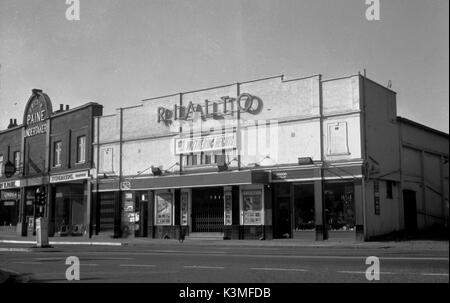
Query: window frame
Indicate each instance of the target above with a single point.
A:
(55, 153)
(81, 156)
(389, 189)
(16, 156)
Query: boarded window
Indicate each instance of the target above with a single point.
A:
(337, 139)
(106, 160)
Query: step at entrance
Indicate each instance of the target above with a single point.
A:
(205, 236)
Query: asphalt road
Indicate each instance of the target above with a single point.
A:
(190, 263)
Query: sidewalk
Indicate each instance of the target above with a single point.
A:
(105, 240)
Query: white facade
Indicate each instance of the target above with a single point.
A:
(348, 127)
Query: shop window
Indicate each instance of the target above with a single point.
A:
(81, 149)
(195, 159)
(9, 207)
(17, 160)
(164, 202)
(1, 165)
(337, 139)
(340, 206)
(57, 151)
(207, 158)
(70, 209)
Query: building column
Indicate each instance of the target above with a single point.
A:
(22, 224)
(151, 214)
(321, 231)
(49, 213)
(359, 200)
(93, 215)
(424, 188)
(443, 192)
(87, 189)
(117, 213)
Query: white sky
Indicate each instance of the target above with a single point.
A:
(122, 51)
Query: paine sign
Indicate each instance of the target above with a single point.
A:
(37, 111)
(69, 177)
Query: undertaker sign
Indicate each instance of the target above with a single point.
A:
(37, 111)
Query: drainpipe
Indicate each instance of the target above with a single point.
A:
(365, 156)
(322, 159)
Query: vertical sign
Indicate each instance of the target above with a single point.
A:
(376, 198)
(228, 201)
(184, 208)
(128, 216)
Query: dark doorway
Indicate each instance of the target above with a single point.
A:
(410, 211)
(282, 210)
(106, 212)
(284, 215)
(207, 209)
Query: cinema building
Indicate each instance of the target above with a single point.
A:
(308, 158)
(49, 154)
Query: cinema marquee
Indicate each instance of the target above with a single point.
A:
(212, 109)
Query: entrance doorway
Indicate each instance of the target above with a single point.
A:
(294, 213)
(409, 208)
(207, 209)
(70, 209)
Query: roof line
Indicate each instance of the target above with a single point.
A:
(422, 126)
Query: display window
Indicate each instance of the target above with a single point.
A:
(252, 207)
(340, 206)
(164, 206)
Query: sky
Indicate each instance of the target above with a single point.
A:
(123, 51)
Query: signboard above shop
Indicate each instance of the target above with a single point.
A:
(10, 184)
(6, 195)
(69, 177)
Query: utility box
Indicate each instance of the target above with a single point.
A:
(42, 232)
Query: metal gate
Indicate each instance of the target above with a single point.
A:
(207, 210)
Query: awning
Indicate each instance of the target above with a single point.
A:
(191, 180)
(198, 180)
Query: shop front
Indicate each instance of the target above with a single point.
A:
(9, 205)
(230, 205)
(318, 202)
(70, 203)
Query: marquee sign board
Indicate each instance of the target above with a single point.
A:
(205, 143)
(37, 111)
(211, 109)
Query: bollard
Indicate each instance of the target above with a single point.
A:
(42, 232)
